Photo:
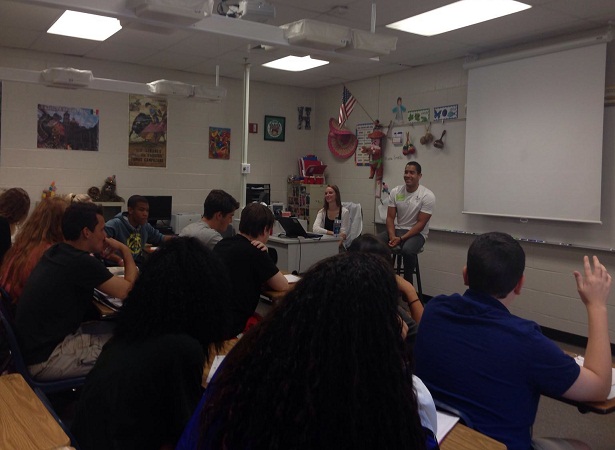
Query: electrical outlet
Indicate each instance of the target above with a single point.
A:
(245, 168)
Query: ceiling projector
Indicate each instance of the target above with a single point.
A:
(256, 11)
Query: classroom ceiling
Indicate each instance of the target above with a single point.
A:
(229, 43)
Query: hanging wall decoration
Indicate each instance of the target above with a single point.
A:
(363, 130)
(399, 111)
(275, 128)
(445, 112)
(147, 131)
(418, 115)
(219, 143)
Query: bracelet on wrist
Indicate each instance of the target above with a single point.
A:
(414, 301)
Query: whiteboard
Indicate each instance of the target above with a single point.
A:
(524, 155)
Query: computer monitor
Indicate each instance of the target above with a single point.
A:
(160, 207)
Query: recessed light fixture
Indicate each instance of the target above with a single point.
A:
(457, 15)
(85, 26)
(295, 63)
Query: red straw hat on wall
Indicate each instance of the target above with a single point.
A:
(341, 141)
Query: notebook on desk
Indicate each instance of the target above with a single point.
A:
(293, 228)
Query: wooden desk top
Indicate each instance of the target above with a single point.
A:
(464, 438)
(25, 423)
(275, 296)
(605, 407)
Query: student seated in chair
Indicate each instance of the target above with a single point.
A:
(249, 265)
(57, 297)
(132, 228)
(218, 211)
(477, 357)
(326, 369)
(147, 380)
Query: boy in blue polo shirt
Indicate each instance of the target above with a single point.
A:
(477, 357)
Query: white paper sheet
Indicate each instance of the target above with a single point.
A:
(446, 422)
(579, 359)
(292, 278)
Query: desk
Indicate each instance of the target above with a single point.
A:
(605, 407)
(299, 254)
(464, 438)
(25, 423)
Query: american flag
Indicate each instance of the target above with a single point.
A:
(348, 102)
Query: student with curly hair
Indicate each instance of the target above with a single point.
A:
(14, 207)
(147, 380)
(326, 369)
(39, 232)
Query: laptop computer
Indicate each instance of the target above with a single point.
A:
(293, 228)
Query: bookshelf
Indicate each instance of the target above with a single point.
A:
(304, 200)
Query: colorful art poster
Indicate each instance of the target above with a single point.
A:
(147, 131)
(418, 115)
(219, 143)
(63, 127)
(445, 112)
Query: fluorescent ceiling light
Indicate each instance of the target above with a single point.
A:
(85, 26)
(457, 15)
(295, 63)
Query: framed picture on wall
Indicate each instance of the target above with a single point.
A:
(275, 128)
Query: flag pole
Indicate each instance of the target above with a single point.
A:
(363, 108)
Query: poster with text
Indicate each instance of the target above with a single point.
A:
(219, 143)
(64, 127)
(147, 134)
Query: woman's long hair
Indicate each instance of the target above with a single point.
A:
(326, 369)
(41, 230)
(183, 288)
(338, 198)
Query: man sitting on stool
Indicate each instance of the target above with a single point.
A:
(413, 206)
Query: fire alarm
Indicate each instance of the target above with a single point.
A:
(253, 127)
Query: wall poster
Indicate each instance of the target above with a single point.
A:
(64, 127)
(147, 131)
(219, 143)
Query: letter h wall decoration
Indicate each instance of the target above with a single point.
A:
(304, 115)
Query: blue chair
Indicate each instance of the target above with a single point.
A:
(46, 387)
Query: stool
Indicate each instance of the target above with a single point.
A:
(398, 262)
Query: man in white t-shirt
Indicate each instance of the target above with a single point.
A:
(218, 211)
(410, 208)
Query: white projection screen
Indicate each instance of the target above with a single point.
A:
(534, 137)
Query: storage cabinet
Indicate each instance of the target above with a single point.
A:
(304, 200)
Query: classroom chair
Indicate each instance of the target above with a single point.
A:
(398, 262)
(356, 222)
(8, 325)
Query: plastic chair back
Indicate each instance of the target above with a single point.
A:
(356, 222)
